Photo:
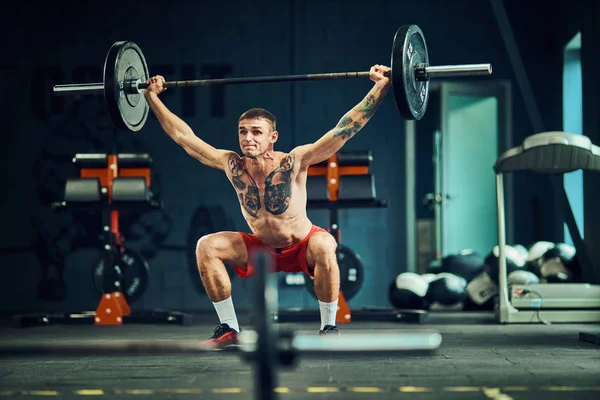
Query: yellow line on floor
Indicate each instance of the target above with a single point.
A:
(314, 389)
(364, 389)
(89, 392)
(561, 388)
(572, 388)
(135, 391)
(415, 389)
(227, 390)
(182, 391)
(495, 394)
(462, 389)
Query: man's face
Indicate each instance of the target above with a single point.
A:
(256, 136)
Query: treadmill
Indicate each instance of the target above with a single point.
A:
(554, 154)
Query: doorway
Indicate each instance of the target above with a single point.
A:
(469, 127)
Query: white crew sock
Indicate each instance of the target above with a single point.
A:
(328, 312)
(226, 313)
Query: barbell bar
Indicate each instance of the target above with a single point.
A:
(290, 345)
(137, 86)
(126, 72)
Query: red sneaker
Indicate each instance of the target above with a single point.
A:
(223, 335)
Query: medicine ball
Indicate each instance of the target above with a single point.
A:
(464, 264)
(428, 277)
(538, 249)
(447, 289)
(522, 277)
(514, 261)
(522, 250)
(553, 270)
(408, 292)
(564, 251)
(536, 252)
(567, 254)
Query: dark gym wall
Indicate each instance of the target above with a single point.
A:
(186, 40)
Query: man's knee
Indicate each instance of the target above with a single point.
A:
(208, 247)
(321, 249)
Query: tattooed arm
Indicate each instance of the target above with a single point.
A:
(352, 122)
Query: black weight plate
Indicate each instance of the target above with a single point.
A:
(351, 273)
(408, 50)
(135, 272)
(127, 108)
(206, 220)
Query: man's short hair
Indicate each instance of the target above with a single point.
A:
(257, 113)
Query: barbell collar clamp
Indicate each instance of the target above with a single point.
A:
(134, 86)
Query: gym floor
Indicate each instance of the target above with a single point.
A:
(478, 359)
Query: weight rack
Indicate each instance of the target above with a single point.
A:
(108, 183)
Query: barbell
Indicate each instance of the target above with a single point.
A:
(265, 347)
(126, 72)
(290, 346)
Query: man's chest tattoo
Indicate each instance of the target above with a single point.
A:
(278, 187)
(245, 186)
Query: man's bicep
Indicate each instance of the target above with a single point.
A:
(205, 153)
(321, 150)
(304, 155)
(225, 160)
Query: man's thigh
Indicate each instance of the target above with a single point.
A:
(228, 246)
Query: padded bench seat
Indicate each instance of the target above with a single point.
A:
(127, 193)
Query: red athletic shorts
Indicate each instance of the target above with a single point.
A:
(288, 259)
